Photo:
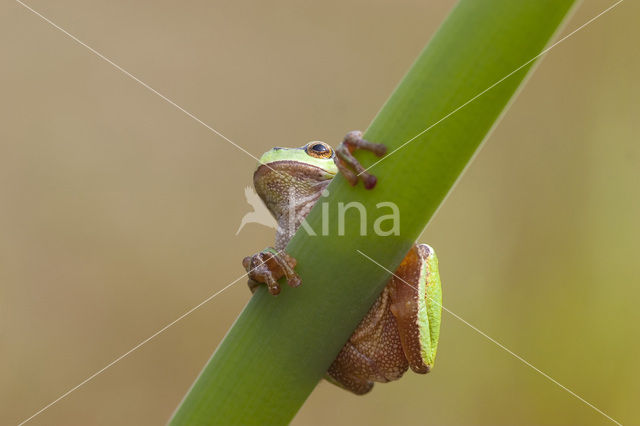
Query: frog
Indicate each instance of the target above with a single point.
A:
(401, 329)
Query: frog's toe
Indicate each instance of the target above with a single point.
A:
(288, 263)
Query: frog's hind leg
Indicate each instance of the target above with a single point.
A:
(343, 373)
(417, 305)
(373, 352)
(399, 331)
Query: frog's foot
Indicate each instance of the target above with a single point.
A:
(267, 267)
(347, 163)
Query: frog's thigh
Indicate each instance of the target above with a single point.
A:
(411, 292)
(373, 352)
(350, 370)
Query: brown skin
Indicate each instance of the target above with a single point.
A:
(386, 341)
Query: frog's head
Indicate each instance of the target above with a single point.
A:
(298, 173)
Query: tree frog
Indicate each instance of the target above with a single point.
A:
(402, 327)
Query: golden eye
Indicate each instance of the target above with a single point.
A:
(319, 150)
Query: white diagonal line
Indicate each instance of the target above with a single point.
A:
(133, 77)
(124, 355)
(491, 339)
(493, 85)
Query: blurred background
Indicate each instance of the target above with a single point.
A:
(118, 212)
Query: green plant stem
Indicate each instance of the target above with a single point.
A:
(280, 347)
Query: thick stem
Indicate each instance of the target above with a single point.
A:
(280, 347)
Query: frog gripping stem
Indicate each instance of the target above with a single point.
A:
(349, 166)
(267, 267)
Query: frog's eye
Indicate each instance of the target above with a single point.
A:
(319, 150)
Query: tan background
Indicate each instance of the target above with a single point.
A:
(118, 212)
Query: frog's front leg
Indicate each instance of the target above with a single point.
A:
(267, 267)
(400, 330)
(351, 168)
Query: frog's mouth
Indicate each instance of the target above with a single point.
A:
(287, 170)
